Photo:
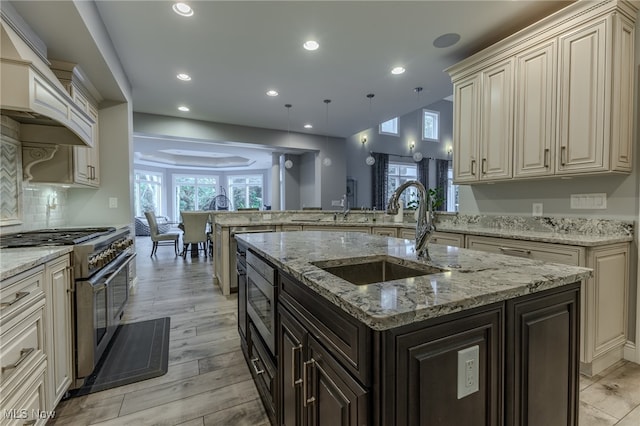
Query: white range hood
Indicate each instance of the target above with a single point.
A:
(31, 94)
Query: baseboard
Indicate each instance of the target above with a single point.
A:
(631, 352)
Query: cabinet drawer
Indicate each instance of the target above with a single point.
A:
(20, 291)
(27, 403)
(448, 239)
(21, 346)
(388, 232)
(409, 234)
(548, 252)
(262, 267)
(345, 337)
(263, 370)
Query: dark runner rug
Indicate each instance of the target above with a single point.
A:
(138, 351)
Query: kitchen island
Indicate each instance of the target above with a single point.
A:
(467, 338)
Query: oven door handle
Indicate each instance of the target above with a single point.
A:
(105, 281)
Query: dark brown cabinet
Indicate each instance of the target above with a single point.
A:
(328, 368)
(543, 332)
(315, 389)
(241, 269)
(421, 368)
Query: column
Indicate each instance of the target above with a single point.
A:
(275, 181)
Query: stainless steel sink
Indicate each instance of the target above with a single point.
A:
(375, 269)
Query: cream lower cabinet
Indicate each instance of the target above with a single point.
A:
(603, 324)
(23, 348)
(59, 329)
(384, 231)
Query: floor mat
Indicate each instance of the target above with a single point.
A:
(138, 351)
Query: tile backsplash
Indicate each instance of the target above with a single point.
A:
(43, 207)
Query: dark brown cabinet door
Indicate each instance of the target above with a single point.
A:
(542, 367)
(423, 372)
(332, 397)
(291, 338)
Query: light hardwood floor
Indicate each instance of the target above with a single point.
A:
(208, 382)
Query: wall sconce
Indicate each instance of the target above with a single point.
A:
(449, 150)
(363, 139)
(412, 145)
(288, 164)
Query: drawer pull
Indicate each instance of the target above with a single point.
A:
(258, 371)
(473, 169)
(24, 354)
(514, 250)
(19, 296)
(484, 164)
(294, 381)
(305, 383)
(30, 422)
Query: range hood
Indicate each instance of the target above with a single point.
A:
(31, 94)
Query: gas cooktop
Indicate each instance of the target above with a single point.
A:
(52, 237)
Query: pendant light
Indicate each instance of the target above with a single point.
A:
(370, 161)
(417, 156)
(327, 161)
(288, 163)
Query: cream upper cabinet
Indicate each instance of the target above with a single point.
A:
(466, 128)
(555, 99)
(497, 121)
(535, 111)
(86, 161)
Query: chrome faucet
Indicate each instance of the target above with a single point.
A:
(425, 227)
(345, 207)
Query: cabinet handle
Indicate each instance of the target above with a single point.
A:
(484, 163)
(30, 422)
(306, 400)
(24, 354)
(294, 381)
(258, 371)
(514, 250)
(546, 157)
(563, 154)
(473, 169)
(19, 296)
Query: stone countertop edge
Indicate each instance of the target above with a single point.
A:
(539, 236)
(14, 261)
(482, 278)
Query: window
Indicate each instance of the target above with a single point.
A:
(399, 174)
(389, 127)
(193, 192)
(452, 192)
(246, 191)
(147, 192)
(430, 125)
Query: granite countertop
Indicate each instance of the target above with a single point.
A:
(470, 279)
(16, 260)
(584, 232)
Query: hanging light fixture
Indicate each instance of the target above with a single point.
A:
(417, 156)
(288, 163)
(327, 161)
(370, 161)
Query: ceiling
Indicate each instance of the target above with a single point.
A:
(237, 50)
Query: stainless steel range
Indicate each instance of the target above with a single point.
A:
(101, 274)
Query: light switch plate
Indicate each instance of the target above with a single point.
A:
(468, 368)
(589, 201)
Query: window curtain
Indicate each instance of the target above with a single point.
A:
(442, 172)
(379, 180)
(423, 172)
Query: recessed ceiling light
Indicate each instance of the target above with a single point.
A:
(398, 70)
(311, 45)
(183, 108)
(272, 93)
(184, 77)
(308, 126)
(182, 9)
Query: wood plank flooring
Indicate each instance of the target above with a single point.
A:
(209, 383)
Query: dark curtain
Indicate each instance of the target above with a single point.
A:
(423, 172)
(442, 170)
(379, 180)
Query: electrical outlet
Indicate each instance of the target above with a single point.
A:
(468, 360)
(537, 209)
(336, 203)
(113, 203)
(267, 216)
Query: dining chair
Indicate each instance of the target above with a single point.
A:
(195, 231)
(165, 238)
